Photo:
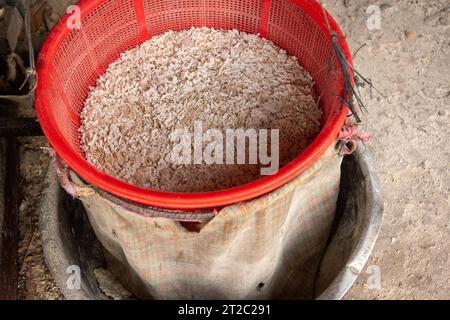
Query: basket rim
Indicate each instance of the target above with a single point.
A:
(170, 200)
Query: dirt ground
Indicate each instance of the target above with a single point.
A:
(407, 59)
(35, 281)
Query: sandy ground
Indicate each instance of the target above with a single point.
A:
(35, 281)
(408, 60)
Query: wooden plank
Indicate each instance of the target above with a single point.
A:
(19, 127)
(9, 213)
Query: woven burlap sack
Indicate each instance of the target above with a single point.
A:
(270, 247)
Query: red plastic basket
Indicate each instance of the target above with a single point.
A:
(71, 61)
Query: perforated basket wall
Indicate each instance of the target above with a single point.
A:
(72, 60)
